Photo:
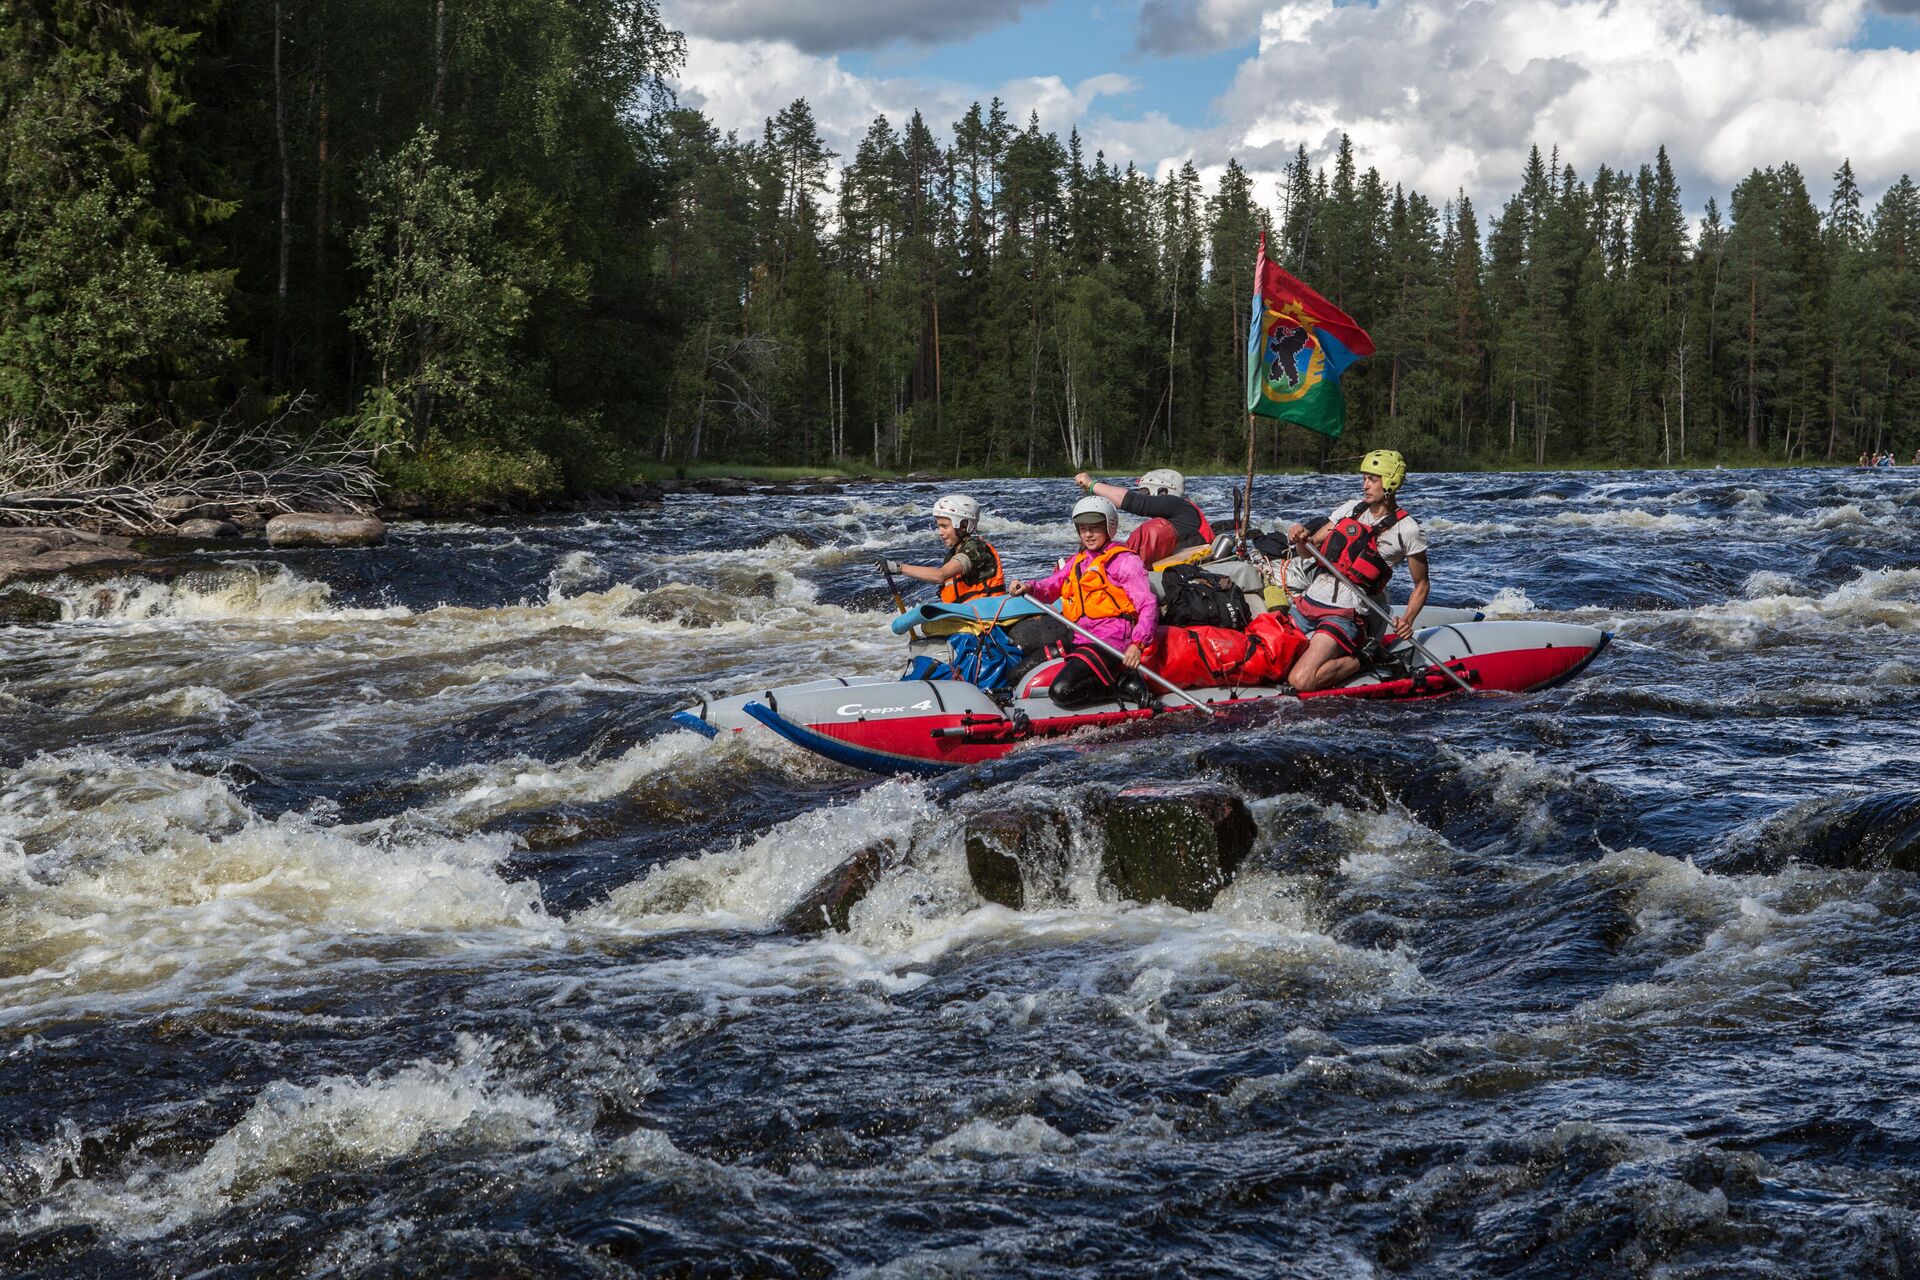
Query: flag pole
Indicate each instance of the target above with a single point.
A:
(1246, 500)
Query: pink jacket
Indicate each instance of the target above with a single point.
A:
(1128, 572)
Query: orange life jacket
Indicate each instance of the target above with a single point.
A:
(954, 591)
(1089, 593)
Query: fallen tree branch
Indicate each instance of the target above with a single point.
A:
(105, 473)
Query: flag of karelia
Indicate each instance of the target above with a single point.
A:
(1297, 347)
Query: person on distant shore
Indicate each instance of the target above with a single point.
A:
(1103, 587)
(972, 567)
(1866, 459)
(1159, 494)
(1364, 540)
(1916, 457)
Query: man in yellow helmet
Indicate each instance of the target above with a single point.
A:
(1364, 540)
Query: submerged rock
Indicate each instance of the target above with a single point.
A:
(1175, 842)
(314, 529)
(1867, 833)
(825, 906)
(23, 608)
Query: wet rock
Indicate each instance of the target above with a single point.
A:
(250, 519)
(1007, 848)
(721, 486)
(23, 608)
(1867, 833)
(316, 529)
(408, 505)
(208, 529)
(41, 552)
(791, 533)
(825, 906)
(1175, 842)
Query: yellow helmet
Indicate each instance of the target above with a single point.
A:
(1388, 465)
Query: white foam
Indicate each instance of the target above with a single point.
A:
(1023, 1136)
(140, 882)
(1508, 602)
(194, 701)
(752, 885)
(482, 792)
(237, 591)
(293, 1132)
(1632, 518)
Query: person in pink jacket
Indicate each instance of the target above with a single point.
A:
(1103, 588)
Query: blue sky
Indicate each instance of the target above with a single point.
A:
(1441, 95)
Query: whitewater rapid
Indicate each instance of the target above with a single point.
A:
(363, 912)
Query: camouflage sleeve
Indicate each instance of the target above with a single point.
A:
(973, 558)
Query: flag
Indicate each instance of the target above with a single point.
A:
(1297, 347)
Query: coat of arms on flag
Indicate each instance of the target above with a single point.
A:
(1298, 346)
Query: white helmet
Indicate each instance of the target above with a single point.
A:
(959, 508)
(1165, 480)
(1095, 505)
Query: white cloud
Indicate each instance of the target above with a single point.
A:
(739, 84)
(832, 26)
(1437, 94)
(1441, 94)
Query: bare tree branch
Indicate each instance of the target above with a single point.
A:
(100, 473)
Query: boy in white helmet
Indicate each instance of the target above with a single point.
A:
(1364, 539)
(1160, 494)
(972, 567)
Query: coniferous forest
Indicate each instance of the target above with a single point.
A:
(482, 234)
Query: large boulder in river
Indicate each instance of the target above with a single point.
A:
(1175, 842)
(23, 608)
(825, 906)
(315, 529)
(1016, 853)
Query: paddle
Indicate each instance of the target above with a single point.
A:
(1374, 607)
(1152, 675)
(898, 604)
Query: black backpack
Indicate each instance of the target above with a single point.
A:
(1192, 597)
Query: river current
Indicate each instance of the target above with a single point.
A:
(361, 914)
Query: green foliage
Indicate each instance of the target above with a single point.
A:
(95, 311)
(446, 294)
(468, 472)
(481, 230)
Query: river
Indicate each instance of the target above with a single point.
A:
(362, 915)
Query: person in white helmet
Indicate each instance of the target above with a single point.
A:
(972, 567)
(1104, 588)
(1160, 494)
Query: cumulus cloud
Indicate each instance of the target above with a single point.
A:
(1437, 94)
(829, 26)
(1450, 93)
(1198, 26)
(738, 84)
